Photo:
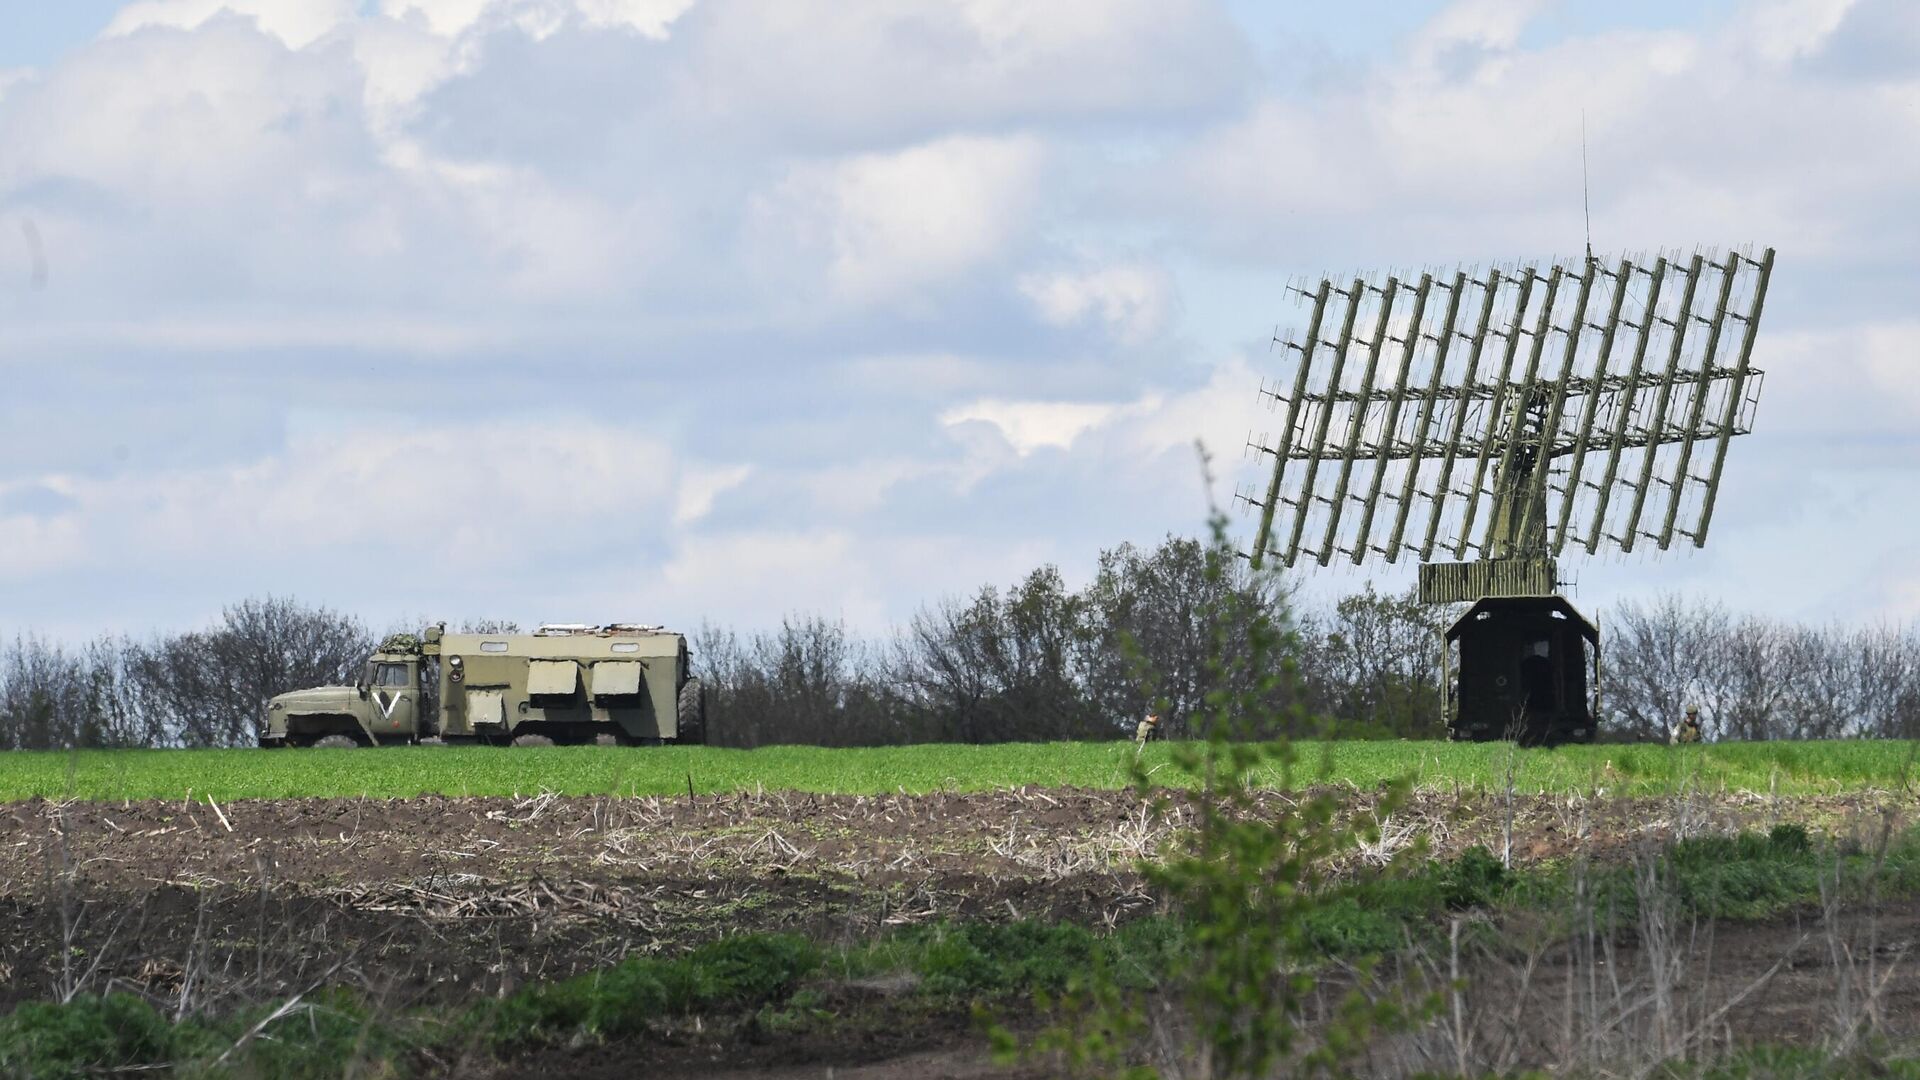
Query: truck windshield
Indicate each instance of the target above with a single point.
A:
(390, 675)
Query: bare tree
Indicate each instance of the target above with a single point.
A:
(1757, 678)
(1003, 668)
(53, 698)
(1655, 657)
(1887, 673)
(207, 687)
(811, 681)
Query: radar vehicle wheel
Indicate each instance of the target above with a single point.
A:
(693, 713)
(532, 740)
(336, 742)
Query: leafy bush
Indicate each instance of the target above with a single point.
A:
(974, 959)
(1747, 876)
(1788, 836)
(621, 1000)
(1475, 879)
(84, 1037)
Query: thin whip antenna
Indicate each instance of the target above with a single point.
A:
(1586, 207)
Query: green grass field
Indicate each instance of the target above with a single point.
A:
(1785, 768)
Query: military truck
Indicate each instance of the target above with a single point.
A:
(617, 685)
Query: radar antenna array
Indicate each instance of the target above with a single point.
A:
(1508, 416)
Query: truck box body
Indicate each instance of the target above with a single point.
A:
(630, 679)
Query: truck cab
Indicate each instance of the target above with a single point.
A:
(382, 706)
(390, 688)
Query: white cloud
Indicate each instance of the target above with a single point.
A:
(1903, 602)
(1782, 30)
(11, 77)
(401, 61)
(1219, 412)
(35, 544)
(886, 70)
(451, 18)
(1891, 355)
(1033, 425)
(649, 18)
(1719, 135)
(1483, 24)
(444, 17)
(1859, 380)
(890, 223)
(860, 487)
(1133, 300)
(297, 23)
(222, 116)
(475, 494)
(700, 485)
(774, 572)
(750, 579)
(421, 337)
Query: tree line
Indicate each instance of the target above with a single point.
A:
(1034, 660)
(1757, 678)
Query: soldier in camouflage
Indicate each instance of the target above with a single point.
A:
(1689, 729)
(1149, 729)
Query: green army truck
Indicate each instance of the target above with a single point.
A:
(618, 685)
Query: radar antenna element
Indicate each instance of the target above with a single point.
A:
(1507, 418)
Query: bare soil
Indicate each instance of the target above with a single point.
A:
(452, 899)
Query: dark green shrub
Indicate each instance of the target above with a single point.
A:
(749, 968)
(87, 1036)
(985, 959)
(620, 1001)
(1475, 879)
(1789, 837)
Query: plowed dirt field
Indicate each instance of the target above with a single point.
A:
(449, 899)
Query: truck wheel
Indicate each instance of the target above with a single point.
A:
(532, 740)
(693, 713)
(336, 742)
(605, 739)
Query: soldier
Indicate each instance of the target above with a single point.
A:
(1689, 729)
(1148, 729)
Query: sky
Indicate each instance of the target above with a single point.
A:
(723, 310)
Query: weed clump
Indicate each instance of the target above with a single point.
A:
(985, 959)
(624, 1000)
(87, 1036)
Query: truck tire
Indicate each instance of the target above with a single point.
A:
(336, 742)
(693, 713)
(532, 740)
